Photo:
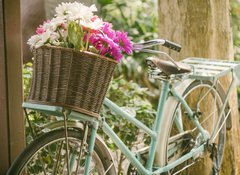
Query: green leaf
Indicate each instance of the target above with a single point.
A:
(104, 2)
(75, 35)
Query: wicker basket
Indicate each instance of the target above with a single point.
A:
(72, 79)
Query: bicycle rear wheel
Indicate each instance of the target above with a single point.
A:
(180, 135)
(47, 155)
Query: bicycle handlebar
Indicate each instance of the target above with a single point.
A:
(172, 45)
(163, 42)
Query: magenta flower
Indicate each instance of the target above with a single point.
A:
(115, 51)
(123, 41)
(98, 42)
(107, 29)
(106, 46)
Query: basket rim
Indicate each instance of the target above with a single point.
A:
(77, 51)
(69, 107)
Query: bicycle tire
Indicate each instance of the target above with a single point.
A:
(169, 128)
(30, 156)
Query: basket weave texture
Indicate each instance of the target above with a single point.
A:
(71, 79)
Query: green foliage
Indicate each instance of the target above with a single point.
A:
(139, 18)
(235, 14)
(37, 122)
(27, 76)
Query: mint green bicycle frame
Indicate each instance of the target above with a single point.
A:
(149, 169)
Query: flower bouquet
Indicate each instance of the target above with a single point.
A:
(75, 54)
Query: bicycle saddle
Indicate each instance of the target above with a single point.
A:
(168, 67)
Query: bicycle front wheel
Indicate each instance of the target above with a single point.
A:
(47, 155)
(180, 135)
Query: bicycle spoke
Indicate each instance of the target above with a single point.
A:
(55, 166)
(85, 131)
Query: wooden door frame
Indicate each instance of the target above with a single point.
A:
(11, 87)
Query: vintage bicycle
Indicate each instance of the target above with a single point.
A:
(190, 126)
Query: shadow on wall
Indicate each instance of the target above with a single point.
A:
(33, 13)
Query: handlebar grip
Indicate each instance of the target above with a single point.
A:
(172, 45)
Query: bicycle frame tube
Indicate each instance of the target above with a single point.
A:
(162, 100)
(128, 117)
(90, 150)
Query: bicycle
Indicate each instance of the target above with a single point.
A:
(185, 131)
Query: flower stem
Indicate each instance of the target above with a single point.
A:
(87, 41)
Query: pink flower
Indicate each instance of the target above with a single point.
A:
(123, 41)
(40, 30)
(95, 17)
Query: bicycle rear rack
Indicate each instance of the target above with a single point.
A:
(206, 69)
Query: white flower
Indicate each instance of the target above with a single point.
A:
(46, 35)
(53, 37)
(33, 40)
(62, 9)
(53, 24)
(96, 24)
(56, 43)
(75, 11)
(39, 44)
